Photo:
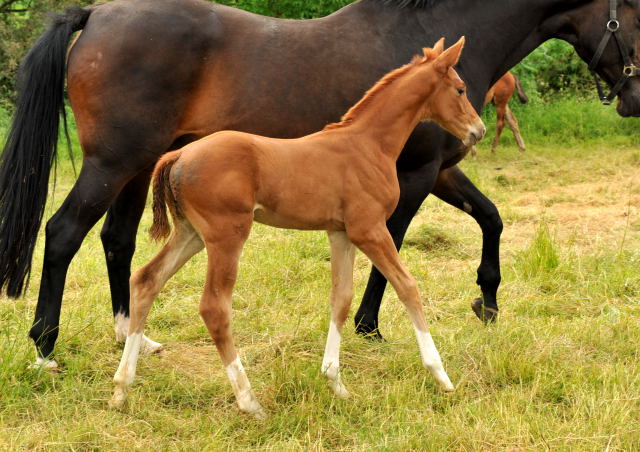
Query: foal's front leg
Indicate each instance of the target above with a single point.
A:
(145, 285)
(376, 242)
(342, 255)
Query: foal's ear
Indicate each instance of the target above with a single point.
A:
(449, 57)
(432, 53)
(439, 46)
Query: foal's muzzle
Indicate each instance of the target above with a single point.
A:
(476, 132)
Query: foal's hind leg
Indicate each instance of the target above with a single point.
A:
(119, 241)
(377, 244)
(146, 283)
(342, 255)
(224, 241)
(500, 113)
(512, 122)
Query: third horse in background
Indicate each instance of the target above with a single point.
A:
(499, 95)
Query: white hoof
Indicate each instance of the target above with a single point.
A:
(339, 390)
(118, 398)
(149, 347)
(250, 405)
(442, 378)
(45, 364)
(121, 327)
(259, 414)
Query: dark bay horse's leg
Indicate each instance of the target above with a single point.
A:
(453, 187)
(119, 241)
(93, 192)
(456, 189)
(415, 186)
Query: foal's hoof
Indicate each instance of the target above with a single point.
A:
(339, 389)
(486, 314)
(371, 333)
(149, 347)
(118, 398)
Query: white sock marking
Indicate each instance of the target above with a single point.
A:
(121, 327)
(126, 370)
(431, 359)
(331, 361)
(44, 363)
(242, 389)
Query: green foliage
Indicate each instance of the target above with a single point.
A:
(567, 120)
(292, 9)
(554, 69)
(21, 22)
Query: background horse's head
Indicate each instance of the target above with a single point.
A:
(606, 34)
(448, 104)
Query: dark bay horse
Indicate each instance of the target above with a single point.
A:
(148, 76)
(341, 180)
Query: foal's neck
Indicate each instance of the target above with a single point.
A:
(393, 114)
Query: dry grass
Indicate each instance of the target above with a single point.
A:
(559, 371)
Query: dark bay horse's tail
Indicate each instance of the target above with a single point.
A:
(31, 147)
(521, 94)
(163, 196)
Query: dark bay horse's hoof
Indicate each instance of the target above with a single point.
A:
(370, 333)
(484, 313)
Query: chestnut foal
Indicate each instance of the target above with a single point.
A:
(342, 180)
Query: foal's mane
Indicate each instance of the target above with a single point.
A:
(368, 97)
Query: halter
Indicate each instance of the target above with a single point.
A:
(629, 70)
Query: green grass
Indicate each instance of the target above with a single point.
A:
(558, 371)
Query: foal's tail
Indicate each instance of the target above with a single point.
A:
(30, 150)
(521, 94)
(163, 196)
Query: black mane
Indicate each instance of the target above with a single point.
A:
(410, 3)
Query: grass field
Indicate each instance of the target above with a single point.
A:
(559, 371)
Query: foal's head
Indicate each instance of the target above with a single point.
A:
(447, 103)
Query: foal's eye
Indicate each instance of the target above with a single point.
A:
(460, 91)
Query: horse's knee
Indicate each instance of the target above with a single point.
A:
(341, 303)
(493, 224)
(408, 293)
(60, 246)
(217, 320)
(118, 247)
(488, 217)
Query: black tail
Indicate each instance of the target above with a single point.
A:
(521, 94)
(31, 147)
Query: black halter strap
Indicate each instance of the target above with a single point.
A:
(629, 70)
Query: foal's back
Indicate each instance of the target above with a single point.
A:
(298, 183)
